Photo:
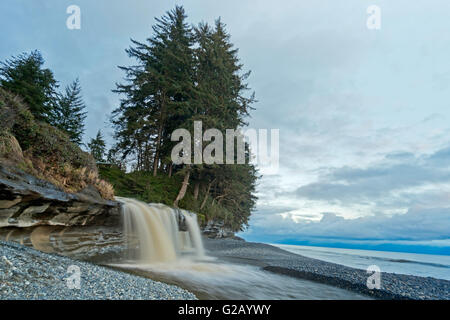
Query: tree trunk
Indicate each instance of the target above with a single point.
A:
(206, 195)
(170, 169)
(158, 139)
(221, 197)
(158, 145)
(183, 188)
(196, 190)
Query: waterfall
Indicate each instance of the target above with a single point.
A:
(192, 225)
(153, 232)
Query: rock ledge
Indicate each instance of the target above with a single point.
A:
(27, 201)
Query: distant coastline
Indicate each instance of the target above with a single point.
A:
(434, 247)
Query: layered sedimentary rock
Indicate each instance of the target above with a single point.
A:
(26, 201)
(36, 213)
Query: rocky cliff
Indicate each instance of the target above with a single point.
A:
(217, 230)
(36, 213)
(26, 201)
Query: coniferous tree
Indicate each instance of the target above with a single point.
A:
(25, 76)
(97, 147)
(222, 104)
(221, 86)
(158, 92)
(182, 76)
(69, 113)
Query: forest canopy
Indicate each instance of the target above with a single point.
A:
(186, 74)
(181, 75)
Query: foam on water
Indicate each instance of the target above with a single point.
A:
(153, 229)
(161, 251)
(215, 280)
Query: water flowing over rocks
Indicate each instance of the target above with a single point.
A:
(83, 226)
(153, 232)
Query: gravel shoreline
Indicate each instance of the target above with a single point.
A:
(27, 274)
(270, 258)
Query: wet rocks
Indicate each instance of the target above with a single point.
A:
(88, 243)
(217, 230)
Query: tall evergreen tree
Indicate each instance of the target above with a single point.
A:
(159, 89)
(25, 76)
(220, 82)
(69, 113)
(182, 76)
(222, 103)
(97, 147)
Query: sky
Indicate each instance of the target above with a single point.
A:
(363, 114)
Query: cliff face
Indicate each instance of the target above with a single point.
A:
(218, 230)
(26, 201)
(83, 225)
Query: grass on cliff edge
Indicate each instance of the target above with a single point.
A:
(162, 189)
(141, 185)
(44, 151)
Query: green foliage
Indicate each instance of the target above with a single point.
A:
(220, 102)
(69, 113)
(24, 75)
(53, 145)
(141, 185)
(158, 92)
(39, 139)
(162, 189)
(97, 147)
(43, 150)
(184, 75)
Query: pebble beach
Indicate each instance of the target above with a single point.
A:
(27, 274)
(270, 258)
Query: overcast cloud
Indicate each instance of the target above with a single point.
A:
(363, 114)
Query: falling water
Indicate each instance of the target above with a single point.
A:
(162, 242)
(154, 234)
(192, 225)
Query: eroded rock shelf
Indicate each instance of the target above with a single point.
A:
(27, 201)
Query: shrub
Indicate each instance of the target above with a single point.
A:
(44, 151)
(10, 148)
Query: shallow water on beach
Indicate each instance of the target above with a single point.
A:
(213, 280)
(424, 265)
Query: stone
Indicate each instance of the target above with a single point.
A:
(27, 201)
(34, 210)
(6, 204)
(217, 230)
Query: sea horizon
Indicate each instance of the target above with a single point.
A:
(431, 247)
(418, 264)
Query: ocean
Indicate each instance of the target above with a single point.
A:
(424, 265)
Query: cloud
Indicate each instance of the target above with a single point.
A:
(363, 115)
(416, 224)
(403, 197)
(398, 177)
